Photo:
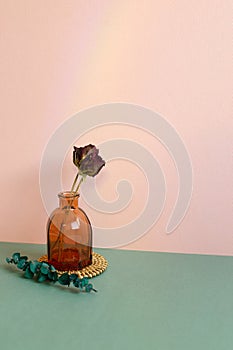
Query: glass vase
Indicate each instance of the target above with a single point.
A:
(69, 235)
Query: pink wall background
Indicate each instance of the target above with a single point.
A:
(174, 57)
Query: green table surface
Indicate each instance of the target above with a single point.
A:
(145, 300)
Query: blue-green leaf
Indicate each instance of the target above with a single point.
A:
(8, 260)
(28, 273)
(34, 265)
(64, 279)
(77, 283)
(23, 257)
(73, 277)
(83, 282)
(89, 288)
(21, 263)
(44, 268)
(26, 265)
(16, 257)
(41, 277)
(52, 268)
(55, 276)
(52, 276)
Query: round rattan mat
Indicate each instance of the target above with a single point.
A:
(98, 266)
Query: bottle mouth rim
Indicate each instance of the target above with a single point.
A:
(68, 194)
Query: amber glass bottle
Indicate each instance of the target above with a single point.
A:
(69, 235)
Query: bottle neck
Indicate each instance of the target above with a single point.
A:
(68, 199)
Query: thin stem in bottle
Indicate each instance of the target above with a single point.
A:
(81, 180)
(74, 183)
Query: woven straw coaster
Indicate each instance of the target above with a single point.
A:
(98, 266)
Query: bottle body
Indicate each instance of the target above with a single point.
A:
(69, 235)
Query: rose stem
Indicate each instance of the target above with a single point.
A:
(81, 180)
(74, 183)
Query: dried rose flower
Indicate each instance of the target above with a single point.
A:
(88, 162)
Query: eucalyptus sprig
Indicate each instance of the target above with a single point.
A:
(43, 271)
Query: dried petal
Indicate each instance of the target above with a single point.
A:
(80, 152)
